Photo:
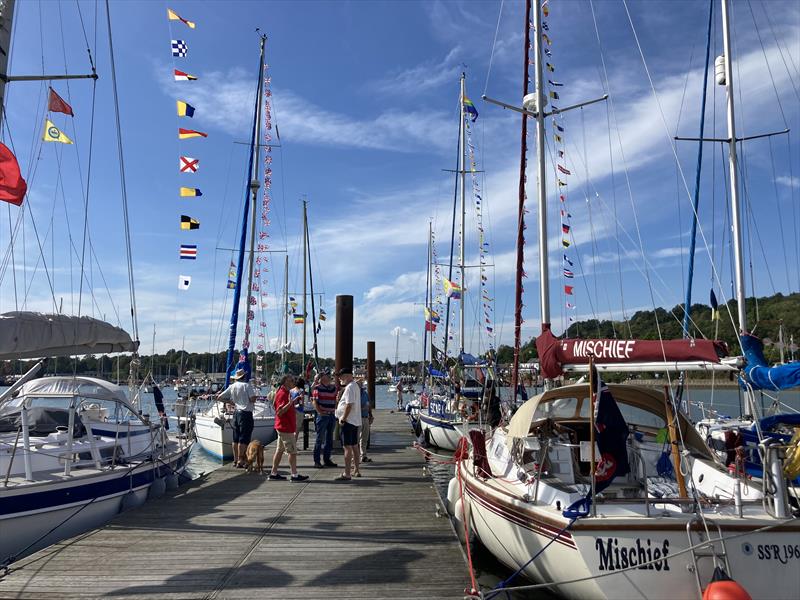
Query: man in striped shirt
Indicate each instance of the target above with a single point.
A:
(323, 396)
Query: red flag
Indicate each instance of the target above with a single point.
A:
(57, 104)
(12, 185)
(568, 290)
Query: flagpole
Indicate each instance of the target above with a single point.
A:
(285, 313)
(592, 402)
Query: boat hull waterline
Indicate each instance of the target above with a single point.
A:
(605, 551)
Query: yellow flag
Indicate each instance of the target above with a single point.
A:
(173, 16)
(54, 134)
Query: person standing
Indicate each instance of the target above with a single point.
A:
(286, 426)
(243, 396)
(349, 414)
(298, 397)
(400, 395)
(366, 422)
(323, 396)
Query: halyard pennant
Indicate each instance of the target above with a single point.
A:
(181, 76)
(185, 134)
(187, 164)
(173, 16)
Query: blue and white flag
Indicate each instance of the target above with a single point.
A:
(179, 48)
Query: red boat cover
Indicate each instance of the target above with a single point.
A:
(554, 352)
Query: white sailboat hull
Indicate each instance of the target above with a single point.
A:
(766, 564)
(218, 441)
(442, 433)
(36, 515)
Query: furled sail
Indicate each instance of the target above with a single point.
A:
(761, 376)
(554, 352)
(37, 335)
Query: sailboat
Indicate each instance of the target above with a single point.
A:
(443, 422)
(74, 450)
(578, 491)
(212, 426)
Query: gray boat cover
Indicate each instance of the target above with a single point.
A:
(38, 335)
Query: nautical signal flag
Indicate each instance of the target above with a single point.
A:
(469, 108)
(54, 134)
(565, 228)
(187, 164)
(187, 191)
(188, 251)
(568, 274)
(173, 16)
(12, 185)
(568, 290)
(565, 243)
(430, 326)
(554, 95)
(181, 76)
(299, 319)
(184, 109)
(564, 170)
(188, 222)
(55, 103)
(431, 315)
(566, 258)
(185, 134)
(184, 281)
(179, 48)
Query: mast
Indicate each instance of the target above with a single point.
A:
(521, 210)
(541, 183)
(736, 222)
(429, 309)
(463, 172)
(285, 313)
(253, 187)
(305, 278)
(6, 17)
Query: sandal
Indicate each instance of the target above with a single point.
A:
(358, 474)
(342, 477)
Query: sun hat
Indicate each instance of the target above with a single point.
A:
(240, 374)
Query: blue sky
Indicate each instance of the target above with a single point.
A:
(366, 101)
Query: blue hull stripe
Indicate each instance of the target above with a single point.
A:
(52, 499)
(121, 434)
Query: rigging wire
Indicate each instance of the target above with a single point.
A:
(494, 43)
(124, 189)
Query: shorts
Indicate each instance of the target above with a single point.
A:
(286, 442)
(242, 426)
(300, 416)
(349, 434)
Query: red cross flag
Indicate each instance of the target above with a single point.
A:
(188, 164)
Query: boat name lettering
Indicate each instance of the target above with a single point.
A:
(783, 553)
(614, 555)
(603, 348)
(437, 408)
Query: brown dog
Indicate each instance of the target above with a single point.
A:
(255, 457)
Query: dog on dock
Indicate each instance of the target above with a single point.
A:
(255, 457)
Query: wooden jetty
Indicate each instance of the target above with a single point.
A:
(232, 534)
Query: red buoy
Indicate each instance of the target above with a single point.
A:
(723, 587)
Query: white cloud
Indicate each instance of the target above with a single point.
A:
(792, 182)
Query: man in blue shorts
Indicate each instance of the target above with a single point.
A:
(349, 414)
(243, 395)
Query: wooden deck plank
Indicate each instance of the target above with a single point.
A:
(238, 535)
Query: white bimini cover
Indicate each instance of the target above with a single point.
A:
(38, 335)
(84, 387)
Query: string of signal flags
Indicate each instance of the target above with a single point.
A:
(187, 165)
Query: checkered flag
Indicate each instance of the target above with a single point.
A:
(179, 48)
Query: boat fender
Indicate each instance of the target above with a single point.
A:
(723, 587)
(220, 421)
(453, 494)
(157, 488)
(578, 509)
(128, 502)
(457, 518)
(172, 481)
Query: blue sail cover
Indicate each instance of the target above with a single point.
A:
(761, 376)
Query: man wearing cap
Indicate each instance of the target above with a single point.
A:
(323, 397)
(243, 395)
(349, 414)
